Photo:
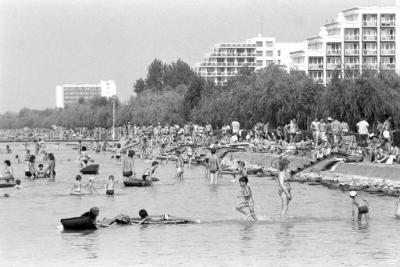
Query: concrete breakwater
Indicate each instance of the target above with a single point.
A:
(374, 178)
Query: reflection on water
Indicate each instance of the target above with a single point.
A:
(318, 231)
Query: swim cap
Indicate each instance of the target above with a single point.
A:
(353, 193)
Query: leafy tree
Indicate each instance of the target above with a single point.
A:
(139, 86)
(155, 75)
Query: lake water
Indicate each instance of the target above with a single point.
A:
(318, 232)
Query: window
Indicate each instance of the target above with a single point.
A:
(279, 53)
(269, 44)
(259, 62)
(268, 53)
(268, 62)
(259, 43)
(279, 62)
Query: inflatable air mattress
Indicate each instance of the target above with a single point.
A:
(171, 220)
(91, 169)
(136, 183)
(78, 223)
(6, 185)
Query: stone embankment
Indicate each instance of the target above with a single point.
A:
(374, 178)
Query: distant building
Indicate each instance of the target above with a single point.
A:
(359, 39)
(68, 94)
(227, 59)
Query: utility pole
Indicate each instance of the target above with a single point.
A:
(113, 125)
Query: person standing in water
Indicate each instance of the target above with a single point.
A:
(247, 196)
(361, 209)
(179, 166)
(213, 166)
(110, 186)
(284, 187)
(50, 170)
(128, 165)
(397, 213)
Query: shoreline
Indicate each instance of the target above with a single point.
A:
(373, 178)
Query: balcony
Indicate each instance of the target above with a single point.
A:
(369, 66)
(388, 37)
(387, 23)
(237, 45)
(388, 52)
(230, 64)
(333, 52)
(370, 37)
(315, 66)
(351, 52)
(232, 54)
(352, 66)
(333, 66)
(388, 66)
(370, 52)
(370, 23)
(351, 38)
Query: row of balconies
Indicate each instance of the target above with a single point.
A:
(233, 54)
(215, 73)
(237, 45)
(354, 52)
(335, 66)
(233, 64)
(374, 23)
(356, 38)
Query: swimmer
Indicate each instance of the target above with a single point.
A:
(145, 217)
(18, 184)
(16, 159)
(93, 213)
(179, 166)
(362, 209)
(84, 157)
(118, 154)
(128, 165)
(90, 186)
(77, 185)
(110, 186)
(6, 195)
(247, 196)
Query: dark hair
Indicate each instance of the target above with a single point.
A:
(154, 163)
(7, 162)
(282, 164)
(18, 181)
(131, 153)
(143, 213)
(16, 156)
(111, 176)
(40, 165)
(51, 156)
(78, 177)
(118, 145)
(243, 179)
(28, 151)
(32, 158)
(83, 148)
(213, 150)
(177, 152)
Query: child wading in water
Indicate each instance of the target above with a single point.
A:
(110, 186)
(397, 213)
(362, 209)
(247, 199)
(90, 186)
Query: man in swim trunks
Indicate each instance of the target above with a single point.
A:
(361, 209)
(128, 165)
(148, 173)
(213, 166)
(110, 186)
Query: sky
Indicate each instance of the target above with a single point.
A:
(49, 43)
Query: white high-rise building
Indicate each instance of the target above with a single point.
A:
(359, 39)
(68, 94)
(256, 53)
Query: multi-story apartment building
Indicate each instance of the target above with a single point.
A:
(359, 39)
(68, 94)
(227, 59)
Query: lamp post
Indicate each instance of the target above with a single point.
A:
(113, 111)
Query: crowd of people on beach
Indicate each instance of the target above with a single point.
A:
(189, 143)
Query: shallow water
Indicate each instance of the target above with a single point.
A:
(318, 232)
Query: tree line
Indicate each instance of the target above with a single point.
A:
(175, 94)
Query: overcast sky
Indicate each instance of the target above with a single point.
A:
(46, 43)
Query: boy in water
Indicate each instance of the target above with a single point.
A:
(110, 186)
(77, 185)
(179, 166)
(40, 172)
(148, 173)
(247, 198)
(362, 209)
(213, 166)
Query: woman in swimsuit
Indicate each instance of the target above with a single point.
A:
(8, 174)
(284, 190)
(50, 170)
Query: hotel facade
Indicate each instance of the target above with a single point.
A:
(359, 39)
(227, 59)
(69, 94)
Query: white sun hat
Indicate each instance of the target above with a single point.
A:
(353, 193)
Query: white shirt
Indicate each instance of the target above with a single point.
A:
(362, 127)
(235, 126)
